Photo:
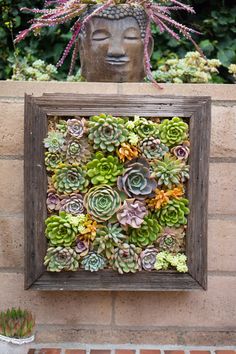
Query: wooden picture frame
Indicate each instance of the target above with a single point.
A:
(37, 109)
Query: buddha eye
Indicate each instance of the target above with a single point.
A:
(131, 38)
(100, 36)
(132, 34)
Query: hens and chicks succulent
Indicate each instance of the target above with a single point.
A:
(116, 193)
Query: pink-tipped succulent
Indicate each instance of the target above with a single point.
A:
(59, 12)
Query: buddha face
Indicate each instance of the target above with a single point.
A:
(112, 50)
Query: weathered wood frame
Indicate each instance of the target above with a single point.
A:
(37, 109)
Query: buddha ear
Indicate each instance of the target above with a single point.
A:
(150, 46)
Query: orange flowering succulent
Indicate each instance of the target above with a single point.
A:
(162, 197)
(127, 151)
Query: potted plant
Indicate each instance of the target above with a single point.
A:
(17, 326)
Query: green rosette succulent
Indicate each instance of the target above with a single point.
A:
(70, 178)
(93, 262)
(145, 128)
(102, 202)
(107, 132)
(174, 213)
(107, 238)
(61, 258)
(104, 170)
(171, 240)
(78, 151)
(173, 131)
(126, 258)
(169, 171)
(61, 230)
(54, 142)
(52, 160)
(148, 232)
(136, 180)
(152, 148)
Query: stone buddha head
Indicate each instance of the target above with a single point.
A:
(111, 45)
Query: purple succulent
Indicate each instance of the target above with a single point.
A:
(181, 152)
(72, 204)
(136, 181)
(132, 213)
(148, 258)
(82, 247)
(76, 127)
(53, 202)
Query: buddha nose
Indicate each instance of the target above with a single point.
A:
(116, 48)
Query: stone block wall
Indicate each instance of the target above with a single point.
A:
(191, 318)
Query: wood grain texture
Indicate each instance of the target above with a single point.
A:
(195, 110)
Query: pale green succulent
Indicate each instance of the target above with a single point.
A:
(60, 258)
(70, 178)
(145, 128)
(173, 131)
(126, 258)
(93, 262)
(54, 142)
(166, 260)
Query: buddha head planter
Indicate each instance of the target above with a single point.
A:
(113, 36)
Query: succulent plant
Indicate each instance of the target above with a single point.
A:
(93, 262)
(78, 151)
(61, 258)
(102, 202)
(171, 240)
(53, 202)
(168, 171)
(173, 131)
(107, 132)
(148, 232)
(136, 180)
(133, 139)
(62, 126)
(132, 213)
(89, 229)
(108, 237)
(165, 260)
(70, 178)
(184, 173)
(148, 258)
(145, 128)
(76, 127)
(181, 152)
(152, 148)
(54, 142)
(82, 247)
(162, 197)
(173, 214)
(104, 170)
(72, 204)
(52, 160)
(60, 229)
(127, 152)
(16, 323)
(126, 258)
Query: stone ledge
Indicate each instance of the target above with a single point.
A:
(216, 91)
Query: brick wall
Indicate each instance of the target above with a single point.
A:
(193, 318)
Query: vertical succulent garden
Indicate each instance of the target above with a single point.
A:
(116, 193)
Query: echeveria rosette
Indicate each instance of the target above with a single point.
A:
(78, 151)
(148, 258)
(107, 238)
(126, 258)
(54, 142)
(148, 232)
(107, 132)
(166, 260)
(61, 230)
(82, 247)
(72, 204)
(171, 240)
(104, 170)
(76, 127)
(132, 213)
(136, 181)
(52, 160)
(93, 262)
(173, 131)
(53, 202)
(145, 128)
(102, 202)
(60, 259)
(181, 152)
(168, 172)
(153, 148)
(174, 213)
(70, 178)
